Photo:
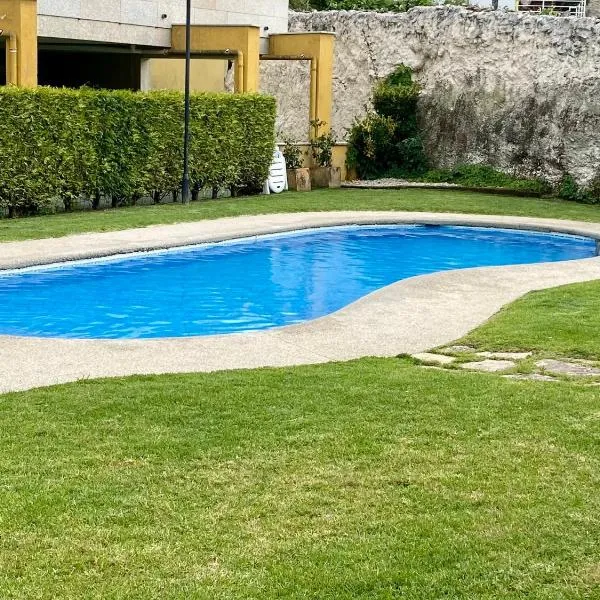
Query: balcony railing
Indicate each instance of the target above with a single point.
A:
(557, 8)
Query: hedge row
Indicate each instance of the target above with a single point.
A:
(68, 144)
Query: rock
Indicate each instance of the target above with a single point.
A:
(459, 349)
(564, 367)
(428, 357)
(531, 377)
(506, 355)
(489, 366)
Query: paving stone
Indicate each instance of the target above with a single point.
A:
(506, 355)
(567, 368)
(458, 349)
(440, 359)
(489, 366)
(531, 377)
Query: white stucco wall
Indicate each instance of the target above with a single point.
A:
(514, 90)
(141, 22)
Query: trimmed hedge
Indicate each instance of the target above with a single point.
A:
(72, 144)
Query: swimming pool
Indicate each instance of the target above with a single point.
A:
(254, 283)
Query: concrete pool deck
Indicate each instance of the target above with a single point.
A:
(410, 316)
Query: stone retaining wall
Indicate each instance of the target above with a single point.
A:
(518, 91)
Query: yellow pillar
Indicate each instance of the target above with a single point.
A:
(240, 42)
(318, 47)
(18, 22)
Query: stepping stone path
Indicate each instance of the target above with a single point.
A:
(458, 349)
(506, 355)
(497, 362)
(439, 359)
(531, 377)
(568, 368)
(489, 365)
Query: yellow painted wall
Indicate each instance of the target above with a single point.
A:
(319, 47)
(19, 17)
(234, 38)
(169, 74)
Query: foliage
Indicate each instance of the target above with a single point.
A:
(387, 141)
(292, 153)
(68, 144)
(373, 5)
(369, 5)
(569, 189)
(593, 191)
(485, 176)
(322, 145)
(396, 97)
(301, 5)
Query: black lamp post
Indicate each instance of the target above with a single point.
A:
(185, 187)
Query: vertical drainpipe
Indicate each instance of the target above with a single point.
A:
(241, 72)
(313, 112)
(12, 64)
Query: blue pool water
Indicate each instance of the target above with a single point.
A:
(255, 283)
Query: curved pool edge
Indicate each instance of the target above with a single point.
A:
(16, 255)
(410, 316)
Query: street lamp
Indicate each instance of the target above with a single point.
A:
(185, 186)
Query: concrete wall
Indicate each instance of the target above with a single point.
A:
(518, 91)
(141, 22)
(593, 8)
(169, 74)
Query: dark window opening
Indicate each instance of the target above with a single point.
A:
(104, 70)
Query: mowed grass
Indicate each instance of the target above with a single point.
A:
(372, 479)
(318, 200)
(564, 321)
(368, 479)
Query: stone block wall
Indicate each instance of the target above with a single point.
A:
(518, 91)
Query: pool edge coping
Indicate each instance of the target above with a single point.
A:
(163, 237)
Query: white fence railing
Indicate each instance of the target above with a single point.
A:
(558, 8)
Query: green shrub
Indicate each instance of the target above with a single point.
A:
(593, 191)
(485, 176)
(387, 142)
(69, 144)
(569, 189)
(292, 153)
(396, 100)
(321, 146)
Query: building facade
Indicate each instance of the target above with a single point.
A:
(148, 22)
(122, 43)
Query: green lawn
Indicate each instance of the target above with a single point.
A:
(409, 199)
(372, 479)
(369, 479)
(564, 321)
